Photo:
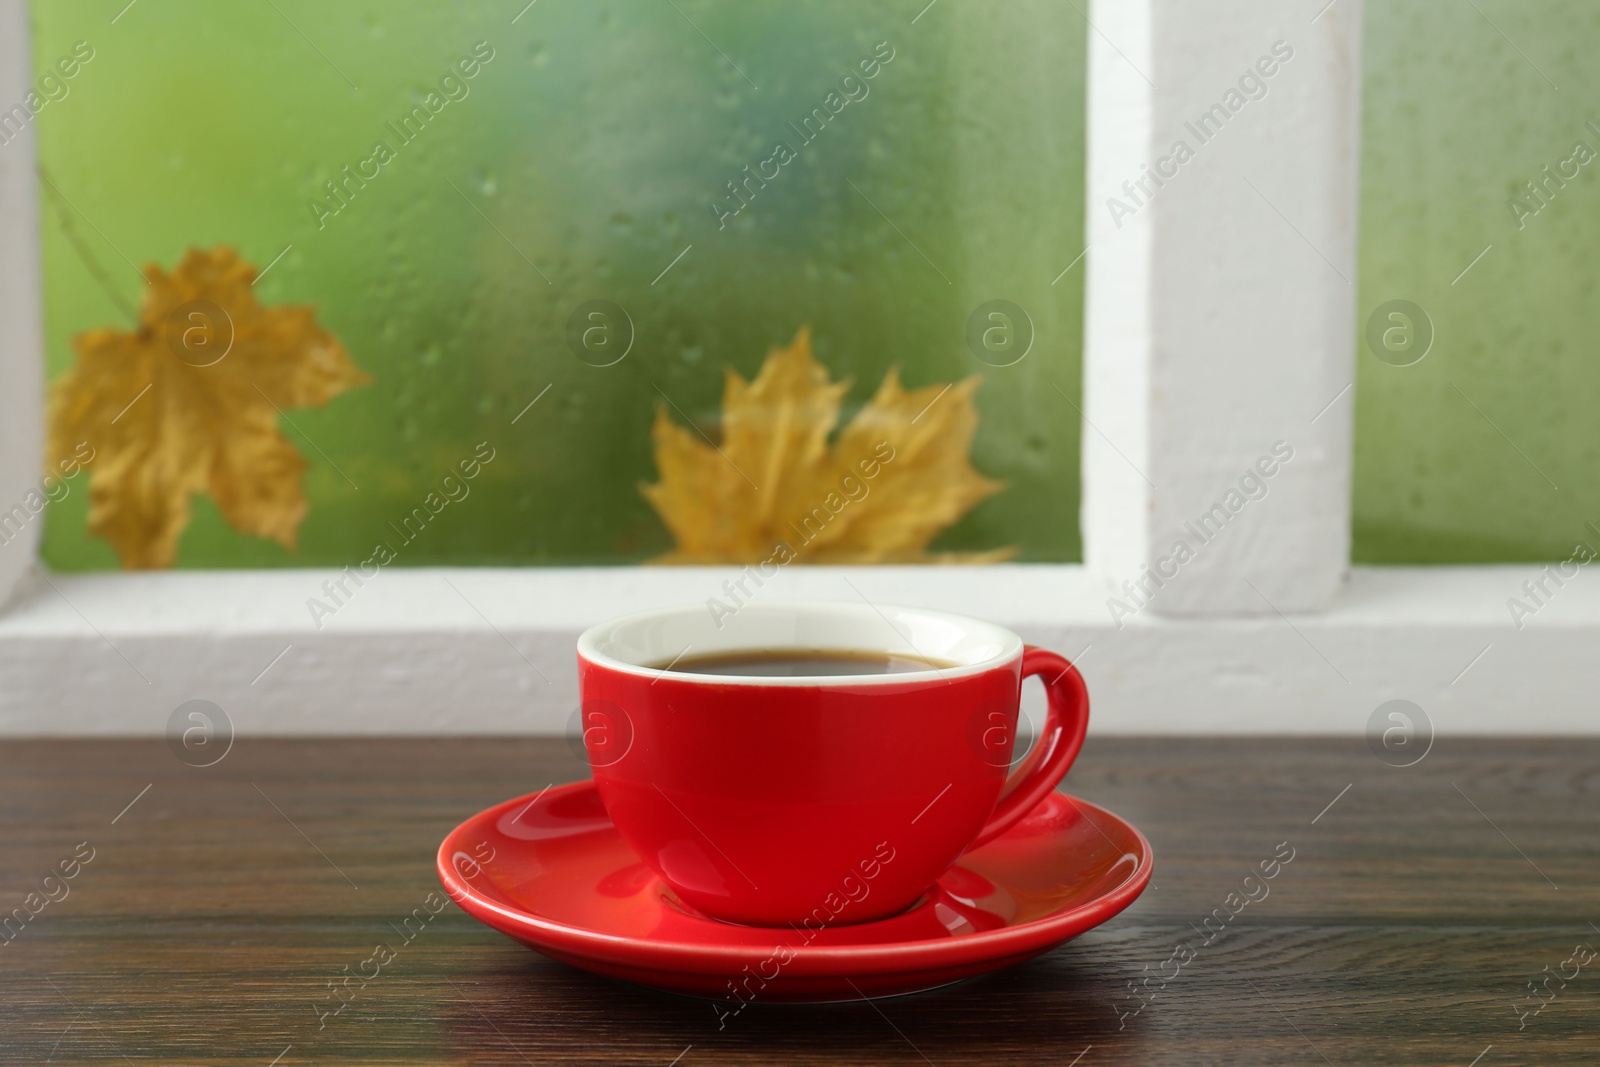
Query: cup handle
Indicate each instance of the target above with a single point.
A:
(1064, 726)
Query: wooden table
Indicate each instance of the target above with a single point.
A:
(218, 905)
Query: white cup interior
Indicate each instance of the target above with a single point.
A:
(648, 642)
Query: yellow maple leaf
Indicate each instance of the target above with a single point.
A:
(895, 477)
(189, 402)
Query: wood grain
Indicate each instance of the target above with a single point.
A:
(219, 905)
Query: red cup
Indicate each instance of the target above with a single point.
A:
(816, 801)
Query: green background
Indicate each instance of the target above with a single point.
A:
(592, 142)
(1456, 120)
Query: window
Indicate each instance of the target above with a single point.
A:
(597, 153)
(1480, 208)
(581, 163)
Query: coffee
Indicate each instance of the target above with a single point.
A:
(802, 663)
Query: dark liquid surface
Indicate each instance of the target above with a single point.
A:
(801, 663)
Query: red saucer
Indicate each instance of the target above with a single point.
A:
(551, 871)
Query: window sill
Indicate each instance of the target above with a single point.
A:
(462, 651)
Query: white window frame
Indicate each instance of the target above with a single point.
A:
(1220, 320)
